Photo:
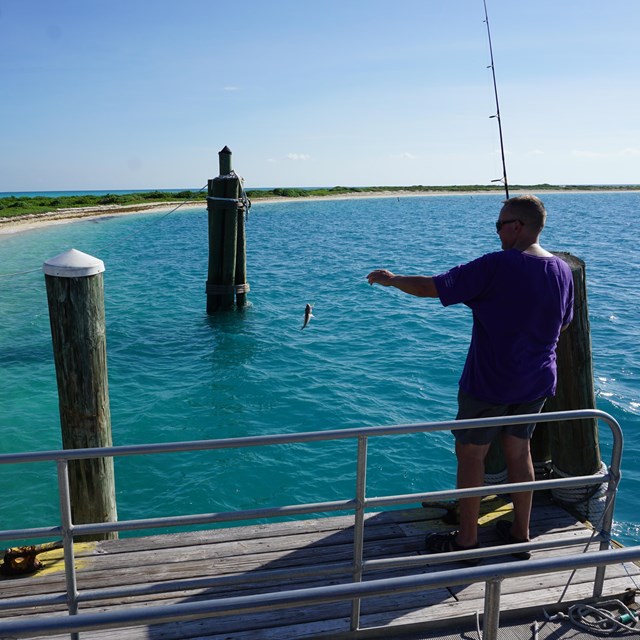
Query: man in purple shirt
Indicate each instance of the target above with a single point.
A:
(521, 299)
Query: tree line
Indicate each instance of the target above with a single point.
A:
(13, 206)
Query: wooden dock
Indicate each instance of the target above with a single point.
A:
(251, 552)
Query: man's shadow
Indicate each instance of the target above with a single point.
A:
(256, 556)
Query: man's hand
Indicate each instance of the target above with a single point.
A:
(380, 276)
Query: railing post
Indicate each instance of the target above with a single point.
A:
(607, 516)
(491, 617)
(358, 531)
(64, 495)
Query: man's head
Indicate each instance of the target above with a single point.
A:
(528, 209)
(520, 222)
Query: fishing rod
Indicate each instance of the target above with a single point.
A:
(497, 116)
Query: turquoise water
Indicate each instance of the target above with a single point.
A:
(371, 356)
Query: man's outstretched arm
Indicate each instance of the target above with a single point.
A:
(421, 286)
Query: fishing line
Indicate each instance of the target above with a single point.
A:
(151, 223)
(497, 114)
(19, 273)
(122, 238)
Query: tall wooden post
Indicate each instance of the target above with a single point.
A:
(227, 244)
(574, 444)
(75, 293)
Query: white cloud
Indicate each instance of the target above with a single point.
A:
(403, 156)
(231, 88)
(536, 152)
(272, 160)
(298, 156)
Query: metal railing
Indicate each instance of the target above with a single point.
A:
(493, 575)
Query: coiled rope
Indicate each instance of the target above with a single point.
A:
(589, 502)
(599, 619)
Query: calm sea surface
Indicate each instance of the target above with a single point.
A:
(371, 356)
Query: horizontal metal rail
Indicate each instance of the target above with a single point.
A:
(136, 616)
(310, 436)
(304, 509)
(68, 530)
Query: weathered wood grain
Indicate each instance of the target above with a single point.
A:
(252, 554)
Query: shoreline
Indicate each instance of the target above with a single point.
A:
(65, 216)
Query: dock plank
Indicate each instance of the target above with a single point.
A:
(255, 555)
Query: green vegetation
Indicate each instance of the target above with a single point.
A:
(26, 205)
(301, 193)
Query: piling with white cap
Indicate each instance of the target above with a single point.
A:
(73, 264)
(75, 293)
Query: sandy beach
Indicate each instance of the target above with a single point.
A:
(64, 216)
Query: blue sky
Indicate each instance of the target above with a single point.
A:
(126, 94)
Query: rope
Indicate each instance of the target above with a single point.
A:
(243, 201)
(150, 224)
(500, 477)
(224, 199)
(589, 502)
(220, 289)
(19, 273)
(601, 620)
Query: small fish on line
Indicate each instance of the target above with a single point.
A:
(307, 316)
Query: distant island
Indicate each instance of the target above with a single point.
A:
(16, 207)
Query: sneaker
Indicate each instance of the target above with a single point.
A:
(446, 543)
(503, 528)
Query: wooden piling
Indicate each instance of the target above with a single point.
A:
(75, 294)
(227, 270)
(574, 445)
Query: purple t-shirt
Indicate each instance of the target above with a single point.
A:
(519, 303)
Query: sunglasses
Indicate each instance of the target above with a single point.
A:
(501, 223)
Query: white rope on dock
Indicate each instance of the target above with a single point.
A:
(589, 502)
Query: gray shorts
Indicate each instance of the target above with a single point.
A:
(470, 407)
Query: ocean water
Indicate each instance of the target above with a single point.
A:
(371, 356)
